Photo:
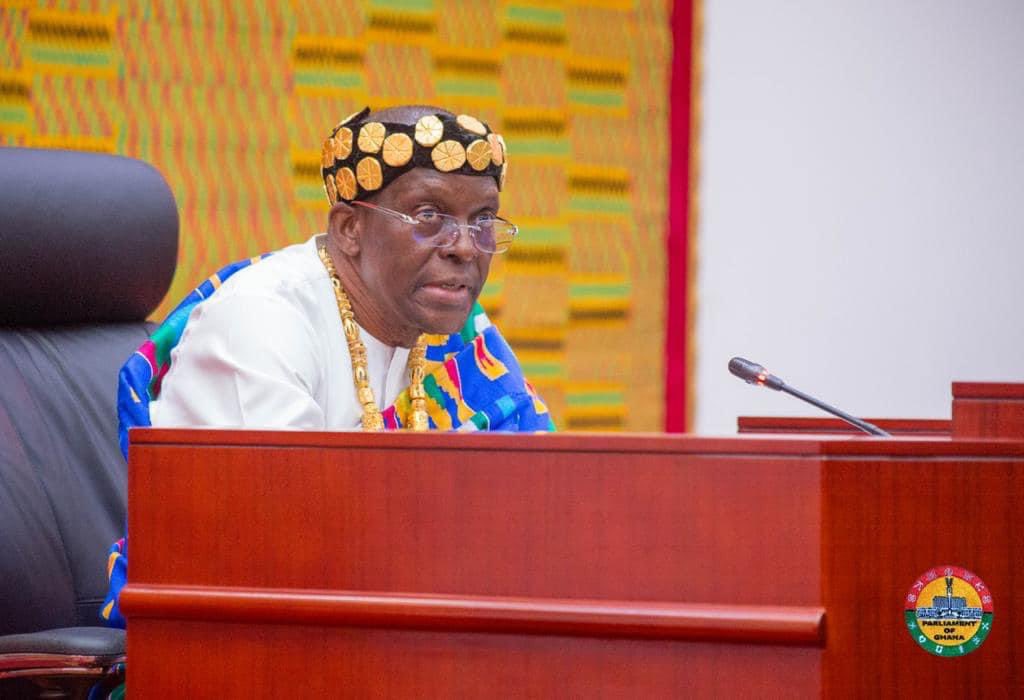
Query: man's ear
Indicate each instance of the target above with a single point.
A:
(343, 228)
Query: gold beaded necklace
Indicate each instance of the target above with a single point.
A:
(372, 419)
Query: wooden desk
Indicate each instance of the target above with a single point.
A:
(793, 426)
(988, 410)
(325, 564)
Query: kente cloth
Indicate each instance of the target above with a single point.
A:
(141, 377)
(473, 382)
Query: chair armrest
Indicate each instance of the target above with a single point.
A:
(65, 651)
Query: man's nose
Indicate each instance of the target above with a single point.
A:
(464, 247)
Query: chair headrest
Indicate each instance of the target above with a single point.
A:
(84, 237)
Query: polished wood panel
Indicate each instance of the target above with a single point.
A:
(217, 660)
(988, 410)
(645, 523)
(791, 425)
(427, 514)
(566, 565)
(889, 519)
(1013, 391)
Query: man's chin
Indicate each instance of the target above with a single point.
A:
(445, 324)
(441, 319)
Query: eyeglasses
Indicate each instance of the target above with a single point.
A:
(489, 233)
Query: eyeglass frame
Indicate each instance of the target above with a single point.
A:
(473, 229)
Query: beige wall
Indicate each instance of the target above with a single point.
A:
(861, 224)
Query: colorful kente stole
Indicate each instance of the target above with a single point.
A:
(473, 382)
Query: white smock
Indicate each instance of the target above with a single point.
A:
(267, 350)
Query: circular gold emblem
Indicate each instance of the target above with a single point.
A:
(478, 154)
(346, 182)
(343, 143)
(471, 124)
(429, 130)
(368, 173)
(448, 156)
(397, 150)
(497, 153)
(948, 611)
(332, 191)
(371, 136)
(327, 155)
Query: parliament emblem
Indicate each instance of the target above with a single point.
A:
(948, 611)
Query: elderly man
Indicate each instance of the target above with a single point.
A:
(373, 324)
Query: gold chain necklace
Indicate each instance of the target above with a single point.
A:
(372, 419)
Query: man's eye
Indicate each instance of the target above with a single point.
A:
(427, 216)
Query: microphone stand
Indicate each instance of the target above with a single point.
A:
(753, 373)
(868, 428)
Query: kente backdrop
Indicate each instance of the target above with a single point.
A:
(231, 101)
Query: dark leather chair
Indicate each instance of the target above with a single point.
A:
(88, 245)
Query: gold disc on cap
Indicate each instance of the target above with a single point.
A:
(471, 124)
(327, 155)
(346, 182)
(332, 191)
(478, 154)
(369, 174)
(397, 150)
(429, 130)
(448, 155)
(497, 155)
(371, 136)
(343, 143)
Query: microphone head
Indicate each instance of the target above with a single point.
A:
(745, 369)
(753, 373)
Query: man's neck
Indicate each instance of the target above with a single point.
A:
(366, 309)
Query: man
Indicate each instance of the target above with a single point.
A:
(373, 324)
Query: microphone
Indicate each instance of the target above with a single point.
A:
(753, 373)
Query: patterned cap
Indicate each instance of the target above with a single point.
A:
(360, 158)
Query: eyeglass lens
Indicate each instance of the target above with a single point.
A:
(489, 235)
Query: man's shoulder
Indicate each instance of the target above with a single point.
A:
(291, 273)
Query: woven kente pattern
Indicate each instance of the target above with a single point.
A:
(231, 100)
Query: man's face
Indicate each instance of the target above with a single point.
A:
(430, 289)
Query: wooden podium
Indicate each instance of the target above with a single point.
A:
(268, 564)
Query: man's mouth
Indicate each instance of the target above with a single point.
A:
(449, 293)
